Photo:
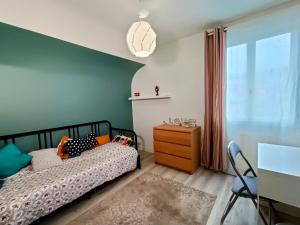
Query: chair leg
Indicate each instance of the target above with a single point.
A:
(231, 197)
(259, 211)
(229, 206)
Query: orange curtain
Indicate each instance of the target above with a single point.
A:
(212, 155)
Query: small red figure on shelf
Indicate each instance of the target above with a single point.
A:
(157, 90)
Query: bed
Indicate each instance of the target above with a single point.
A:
(30, 195)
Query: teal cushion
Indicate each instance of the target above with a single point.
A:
(12, 159)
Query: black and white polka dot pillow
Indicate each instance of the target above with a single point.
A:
(92, 140)
(76, 146)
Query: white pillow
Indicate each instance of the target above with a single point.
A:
(44, 159)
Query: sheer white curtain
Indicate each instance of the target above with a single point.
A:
(263, 81)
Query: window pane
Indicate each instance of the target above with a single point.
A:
(271, 77)
(237, 83)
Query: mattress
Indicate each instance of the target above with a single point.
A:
(29, 195)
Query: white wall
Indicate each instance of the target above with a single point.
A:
(65, 21)
(178, 69)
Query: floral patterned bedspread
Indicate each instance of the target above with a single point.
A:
(29, 195)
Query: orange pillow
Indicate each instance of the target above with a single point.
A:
(61, 146)
(103, 139)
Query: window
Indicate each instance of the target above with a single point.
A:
(262, 83)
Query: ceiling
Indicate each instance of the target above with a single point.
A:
(172, 19)
(102, 24)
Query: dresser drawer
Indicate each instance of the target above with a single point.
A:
(181, 138)
(174, 161)
(173, 149)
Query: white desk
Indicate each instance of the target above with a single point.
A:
(279, 173)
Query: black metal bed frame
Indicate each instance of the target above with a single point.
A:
(73, 132)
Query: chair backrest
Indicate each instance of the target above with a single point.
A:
(233, 151)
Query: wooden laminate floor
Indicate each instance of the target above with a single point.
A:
(219, 184)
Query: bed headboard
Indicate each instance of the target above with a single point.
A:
(45, 137)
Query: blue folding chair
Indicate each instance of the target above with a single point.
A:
(244, 185)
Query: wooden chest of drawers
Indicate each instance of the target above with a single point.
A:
(177, 147)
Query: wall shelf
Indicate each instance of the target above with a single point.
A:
(149, 97)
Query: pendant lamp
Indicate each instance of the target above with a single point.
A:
(141, 38)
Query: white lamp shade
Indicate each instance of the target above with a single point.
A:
(141, 39)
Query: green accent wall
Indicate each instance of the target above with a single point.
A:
(46, 82)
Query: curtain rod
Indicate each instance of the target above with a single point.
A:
(211, 32)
